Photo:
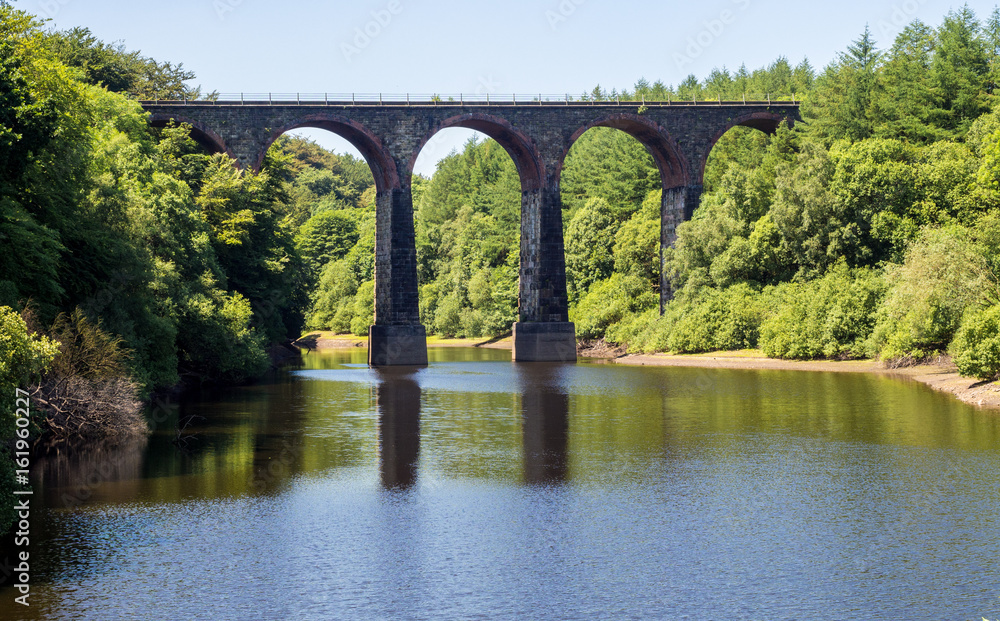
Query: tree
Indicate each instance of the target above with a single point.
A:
(589, 243)
(841, 105)
(960, 70)
(907, 104)
(325, 237)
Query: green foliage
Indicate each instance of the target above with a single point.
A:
(23, 356)
(160, 245)
(120, 70)
(944, 275)
(218, 341)
(326, 237)
(636, 250)
(830, 317)
(713, 319)
(840, 106)
(960, 69)
(608, 302)
(589, 243)
(698, 320)
(612, 165)
(976, 348)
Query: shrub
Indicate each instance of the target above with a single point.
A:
(831, 317)
(22, 357)
(718, 319)
(976, 348)
(608, 301)
(945, 273)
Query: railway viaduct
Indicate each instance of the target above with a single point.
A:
(537, 133)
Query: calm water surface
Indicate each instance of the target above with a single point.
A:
(482, 489)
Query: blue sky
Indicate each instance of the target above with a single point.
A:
(448, 46)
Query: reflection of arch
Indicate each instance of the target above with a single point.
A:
(766, 122)
(661, 145)
(378, 159)
(520, 148)
(200, 132)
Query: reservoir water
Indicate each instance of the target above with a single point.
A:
(482, 489)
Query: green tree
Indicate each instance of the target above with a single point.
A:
(841, 106)
(907, 105)
(960, 70)
(589, 244)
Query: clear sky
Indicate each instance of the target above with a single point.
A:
(496, 46)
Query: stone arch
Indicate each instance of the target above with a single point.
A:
(673, 166)
(766, 122)
(518, 145)
(378, 158)
(200, 132)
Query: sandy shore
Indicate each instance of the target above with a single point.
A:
(942, 376)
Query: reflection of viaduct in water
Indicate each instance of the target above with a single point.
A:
(537, 136)
(544, 425)
(398, 399)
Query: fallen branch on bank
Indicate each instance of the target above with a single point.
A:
(82, 409)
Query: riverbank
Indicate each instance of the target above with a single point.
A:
(941, 375)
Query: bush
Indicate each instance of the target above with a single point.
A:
(219, 342)
(944, 274)
(831, 317)
(608, 302)
(364, 309)
(333, 302)
(976, 348)
(715, 320)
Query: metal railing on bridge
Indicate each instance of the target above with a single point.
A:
(461, 99)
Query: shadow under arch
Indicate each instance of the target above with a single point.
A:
(382, 165)
(766, 122)
(518, 146)
(200, 132)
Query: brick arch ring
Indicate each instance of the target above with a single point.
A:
(518, 145)
(667, 154)
(382, 165)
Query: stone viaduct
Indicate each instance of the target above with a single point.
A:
(537, 135)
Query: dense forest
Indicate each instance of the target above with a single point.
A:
(134, 261)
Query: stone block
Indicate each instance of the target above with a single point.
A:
(400, 345)
(544, 342)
